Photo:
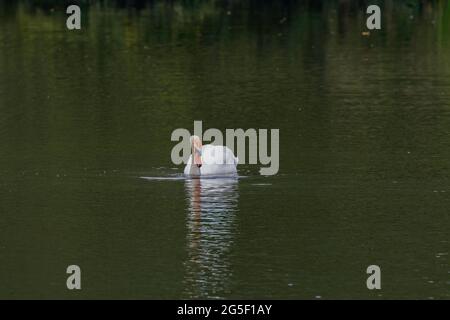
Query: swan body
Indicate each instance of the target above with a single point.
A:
(214, 161)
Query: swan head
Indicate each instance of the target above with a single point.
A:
(196, 144)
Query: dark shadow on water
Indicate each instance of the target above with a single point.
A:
(211, 213)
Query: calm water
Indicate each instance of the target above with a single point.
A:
(364, 156)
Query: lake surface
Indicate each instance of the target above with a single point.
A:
(86, 176)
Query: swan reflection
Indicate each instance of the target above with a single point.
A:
(212, 206)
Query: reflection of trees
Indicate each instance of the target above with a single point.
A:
(173, 61)
(210, 232)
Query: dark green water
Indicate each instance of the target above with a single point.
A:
(364, 150)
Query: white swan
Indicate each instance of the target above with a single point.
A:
(210, 160)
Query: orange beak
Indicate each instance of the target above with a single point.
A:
(196, 151)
